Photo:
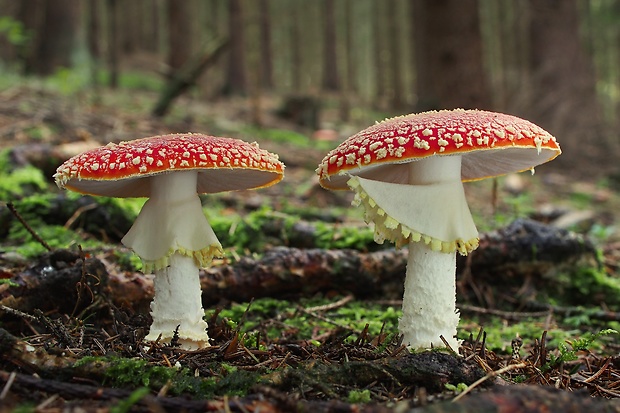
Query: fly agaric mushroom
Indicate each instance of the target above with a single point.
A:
(407, 173)
(171, 234)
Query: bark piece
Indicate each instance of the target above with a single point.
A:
(431, 370)
(531, 398)
(284, 271)
(61, 281)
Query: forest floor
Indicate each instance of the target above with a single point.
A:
(539, 329)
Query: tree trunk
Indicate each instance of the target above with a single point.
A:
(129, 25)
(295, 43)
(236, 82)
(378, 53)
(266, 55)
(151, 33)
(55, 27)
(348, 83)
(351, 81)
(451, 56)
(425, 98)
(394, 33)
(10, 48)
(188, 75)
(331, 79)
(113, 44)
(93, 31)
(179, 33)
(561, 95)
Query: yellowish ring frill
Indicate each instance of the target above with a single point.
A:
(387, 227)
(203, 258)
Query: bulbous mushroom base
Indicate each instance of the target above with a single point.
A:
(178, 303)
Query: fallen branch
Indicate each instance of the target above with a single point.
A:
(188, 75)
(525, 398)
(28, 228)
(546, 310)
(489, 376)
(27, 384)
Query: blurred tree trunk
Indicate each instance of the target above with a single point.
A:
(505, 32)
(93, 31)
(130, 24)
(236, 82)
(378, 53)
(451, 54)
(331, 80)
(351, 83)
(113, 44)
(425, 98)
(562, 90)
(55, 27)
(9, 47)
(295, 42)
(348, 87)
(151, 32)
(179, 33)
(187, 76)
(396, 76)
(266, 55)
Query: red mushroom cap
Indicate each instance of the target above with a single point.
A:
(491, 144)
(118, 170)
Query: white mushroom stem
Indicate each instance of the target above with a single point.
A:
(178, 303)
(429, 300)
(174, 239)
(431, 216)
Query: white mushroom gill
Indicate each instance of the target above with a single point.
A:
(174, 239)
(431, 215)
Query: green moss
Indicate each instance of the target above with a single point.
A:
(47, 214)
(359, 396)
(329, 236)
(262, 228)
(587, 285)
(459, 388)
(499, 333)
(9, 282)
(299, 325)
(16, 183)
(130, 372)
(25, 408)
(128, 261)
(236, 382)
(138, 373)
(56, 236)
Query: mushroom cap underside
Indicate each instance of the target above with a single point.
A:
(122, 170)
(491, 144)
